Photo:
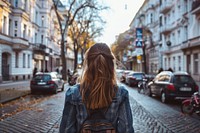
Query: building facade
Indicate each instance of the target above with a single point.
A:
(174, 39)
(29, 38)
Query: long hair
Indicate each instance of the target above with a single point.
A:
(98, 81)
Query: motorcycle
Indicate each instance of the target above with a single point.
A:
(142, 86)
(192, 105)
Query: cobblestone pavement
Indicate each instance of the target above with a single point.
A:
(147, 115)
(159, 118)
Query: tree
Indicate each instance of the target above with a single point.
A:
(85, 29)
(72, 8)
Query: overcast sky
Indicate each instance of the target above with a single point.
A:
(118, 18)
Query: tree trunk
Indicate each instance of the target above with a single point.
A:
(75, 58)
(64, 75)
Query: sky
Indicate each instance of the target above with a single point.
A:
(118, 18)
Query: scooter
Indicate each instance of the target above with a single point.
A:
(192, 105)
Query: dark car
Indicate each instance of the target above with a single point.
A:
(169, 86)
(124, 75)
(49, 82)
(133, 78)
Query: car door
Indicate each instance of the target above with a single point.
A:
(163, 82)
(60, 81)
(153, 84)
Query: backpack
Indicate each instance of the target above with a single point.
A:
(97, 123)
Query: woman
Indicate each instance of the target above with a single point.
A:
(98, 89)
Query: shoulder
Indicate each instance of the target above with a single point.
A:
(122, 91)
(73, 94)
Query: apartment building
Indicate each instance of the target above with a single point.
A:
(174, 39)
(29, 38)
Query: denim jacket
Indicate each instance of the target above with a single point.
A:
(75, 113)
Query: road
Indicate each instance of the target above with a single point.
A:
(42, 113)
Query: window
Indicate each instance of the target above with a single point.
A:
(160, 21)
(179, 35)
(185, 5)
(169, 65)
(29, 33)
(196, 64)
(174, 63)
(186, 32)
(42, 21)
(29, 60)
(42, 38)
(188, 64)
(164, 78)
(179, 63)
(16, 59)
(15, 30)
(25, 4)
(4, 24)
(16, 3)
(151, 17)
(36, 15)
(10, 27)
(24, 32)
(35, 37)
(24, 60)
(165, 63)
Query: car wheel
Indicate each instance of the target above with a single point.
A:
(62, 89)
(163, 97)
(149, 93)
(32, 92)
(56, 89)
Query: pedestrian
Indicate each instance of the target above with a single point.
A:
(46, 70)
(170, 69)
(160, 70)
(97, 93)
(35, 71)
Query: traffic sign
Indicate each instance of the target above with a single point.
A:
(139, 51)
(139, 33)
(138, 43)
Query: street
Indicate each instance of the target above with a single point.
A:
(42, 113)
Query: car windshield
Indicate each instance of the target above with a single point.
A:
(42, 77)
(183, 79)
(138, 75)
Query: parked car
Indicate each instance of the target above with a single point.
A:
(119, 73)
(124, 75)
(49, 82)
(172, 85)
(133, 78)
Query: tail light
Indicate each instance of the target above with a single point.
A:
(33, 82)
(196, 88)
(132, 78)
(50, 82)
(171, 87)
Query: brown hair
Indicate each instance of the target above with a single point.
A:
(98, 81)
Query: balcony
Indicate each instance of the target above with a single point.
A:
(17, 43)
(192, 43)
(166, 29)
(196, 7)
(38, 48)
(165, 7)
(20, 43)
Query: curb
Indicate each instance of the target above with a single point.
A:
(8, 95)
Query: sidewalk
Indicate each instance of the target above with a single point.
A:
(14, 91)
